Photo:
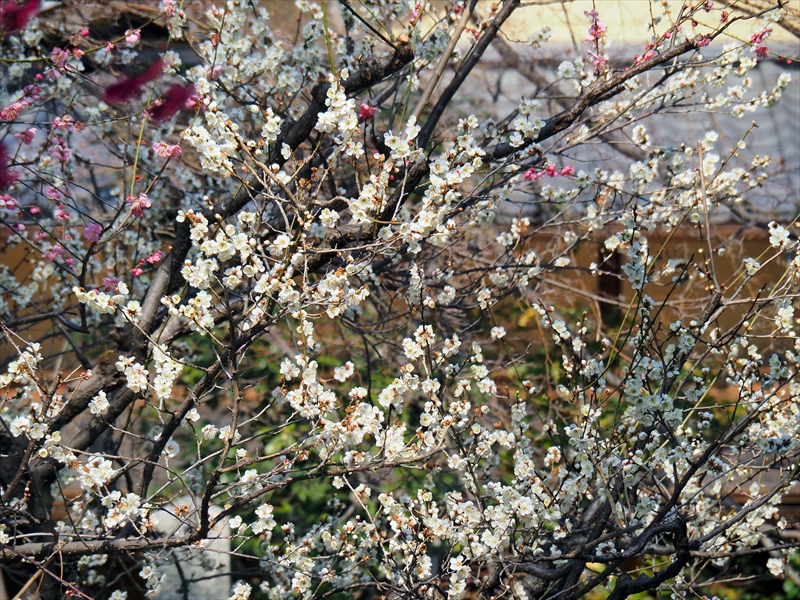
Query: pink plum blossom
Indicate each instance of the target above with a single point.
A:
(53, 253)
(52, 192)
(759, 36)
(60, 151)
(139, 204)
(132, 36)
(110, 284)
(165, 150)
(92, 232)
(26, 137)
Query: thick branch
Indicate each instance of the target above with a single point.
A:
(590, 96)
(37, 550)
(371, 72)
(463, 72)
(627, 586)
(524, 68)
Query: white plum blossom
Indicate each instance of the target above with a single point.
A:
(498, 332)
(99, 404)
(241, 591)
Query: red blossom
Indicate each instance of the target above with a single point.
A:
(550, 171)
(415, 14)
(14, 17)
(647, 56)
(177, 97)
(366, 112)
(762, 52)
(127, 88)
(7, 178)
